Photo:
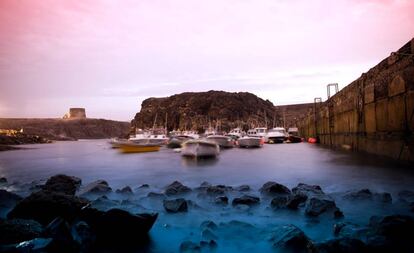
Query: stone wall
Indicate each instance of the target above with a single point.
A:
(77, 113)
(372, 114)
(291, 115)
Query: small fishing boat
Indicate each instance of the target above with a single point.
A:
(200, 148)
(221, 140)
(236, 132)
(276, 135)
(116, 142)
(133, 147)
(294, 135)
(250, 142)
(176, 141)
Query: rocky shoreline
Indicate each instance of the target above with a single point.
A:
(62, 215)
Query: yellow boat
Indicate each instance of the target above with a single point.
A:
(138, 148)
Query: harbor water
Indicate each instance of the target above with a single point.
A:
(239, 229)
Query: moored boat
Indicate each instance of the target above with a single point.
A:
(221, 140)
(116, 142)
(294, 135)
(237, 132)
(132, 147)
(178, 140)
(250, 142)
(276, 135)
(200, 148)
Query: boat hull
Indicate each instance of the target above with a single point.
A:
(294, 139)
(250, 142)
(136, 148)
(200, 149)
(222, 141)
(276, 139)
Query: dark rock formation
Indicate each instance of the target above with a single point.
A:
(290, 238)
(307, 189)
(215, 190)
(273, 188)
(44, 206)
(8, 200)
(279, 202)
(317, 206)
(208, 224)
(175, 205)
(60, 129)
(97, 187)
(156, 195)
(246, 200)
(221, 200)
(18, 230)
(295, 200)
(243, 188)
(3, 180)
(176, 188)
(195, 110)
(406, 196)
(341, 245)
(189, 247)
(125, 190)
(208, 235)
(63, 184)
(366, 194)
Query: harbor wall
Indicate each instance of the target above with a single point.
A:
(374, 114)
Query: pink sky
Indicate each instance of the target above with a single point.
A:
(108, 56)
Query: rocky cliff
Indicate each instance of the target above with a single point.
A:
(199, 110)
(61, 129)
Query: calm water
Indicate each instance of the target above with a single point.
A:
(336, 172)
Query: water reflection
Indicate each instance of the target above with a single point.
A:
(198, 162)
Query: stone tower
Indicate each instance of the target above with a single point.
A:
(75, 113)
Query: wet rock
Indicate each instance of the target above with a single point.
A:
(366, 194)
(317, 206)
(208, 224)
(156, 195)
(8, 199)
(347, 229)
(175, 205)
(189, 247)
(295, 200)
(19, 230)
(83, 235)
(338, 213)
(279, 202)
(44, 206)
(104, 203)
(209, 245)
(144, 186)
(117, 225)
(208, 235)
(35, 245)
(246, 200)
(63, 184)
(125, 190)
(406, 196)
(59, 230)
(215, 190)
(273, 188)
(290, 238)
(341, 245)
(243, 188)
(97, 187)
(221, 200)
(3, 180)
(205, 184)
(308, 190)
(176, 188)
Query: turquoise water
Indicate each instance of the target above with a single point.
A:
(289, 164)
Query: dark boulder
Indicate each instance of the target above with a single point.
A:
(215, 190)
(19, 230)
(208, 245)
(63, 184)
(221, 200)
(272, 188)
(189, 247)
(295, 200)
(59, 230)
(8, 200)
(349, 230)
(341, 245)
(366, 194)
(117, 225)
(83, 235)
(308, 190)
(97, 187)
(290, 238)
(317, 206)
(44, 206)
(279, 202)
(208, 235)
(208, 224)
(3, 180)
(243, 188)
(125, 190)
(246, 200)
(176, 188)
(144, 186)
(175, 205)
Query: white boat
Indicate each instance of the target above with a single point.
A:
(276, 135)
(250, 142)
(158, 138)
(140, 135)
(177, 140)
(221, 140)
(199, 148)
(236, 132)
(192, 134)
(116, 142)
(209, 131)
(261, 132)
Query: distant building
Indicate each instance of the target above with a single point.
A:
(75, 113)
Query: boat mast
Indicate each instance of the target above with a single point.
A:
(155, 120)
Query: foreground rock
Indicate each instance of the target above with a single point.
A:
(8, 200)
(246, 200)
(176, 188)
(97, 187)
(44, 206)
(125, 190)
(63, 184)
(273, 188)
(317, 206)
(290, 238)
(308, 190)
(175, 205)
(19, 230)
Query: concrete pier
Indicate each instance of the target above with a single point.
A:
(374, 114)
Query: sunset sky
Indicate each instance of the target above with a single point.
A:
(108, 56)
